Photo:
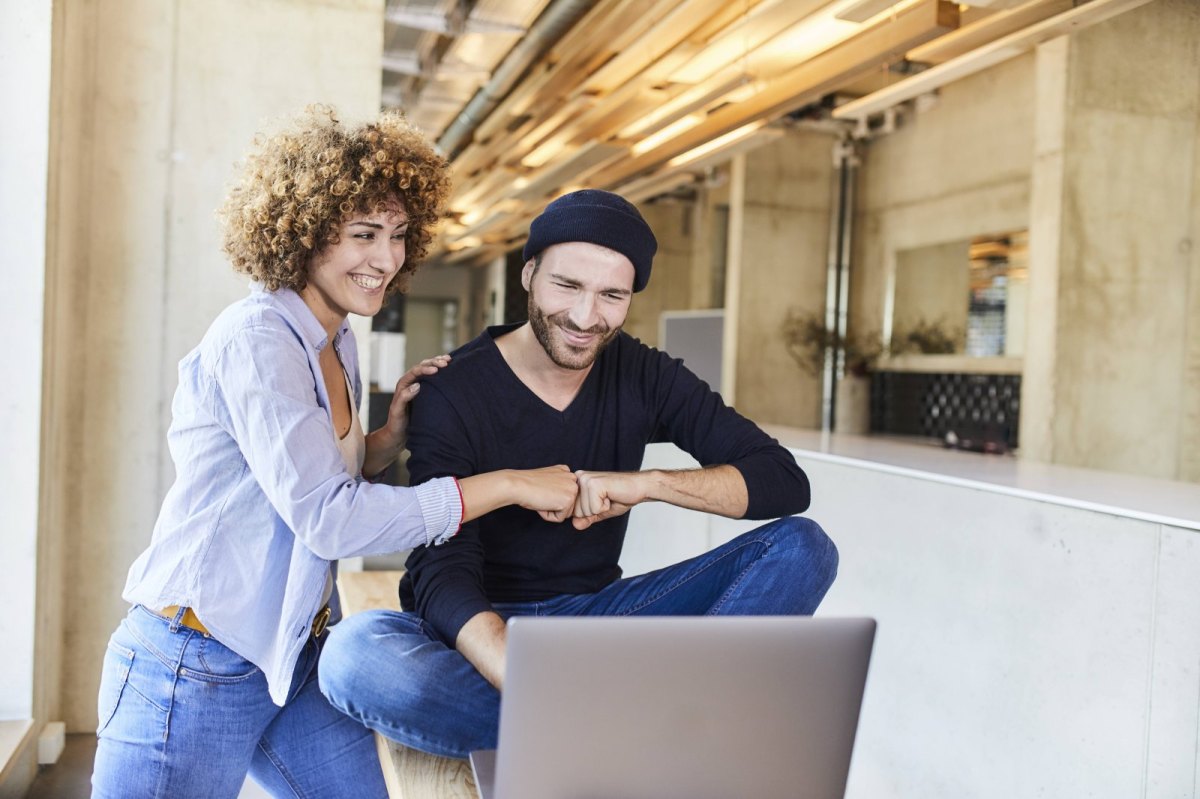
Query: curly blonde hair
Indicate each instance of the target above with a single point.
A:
(298, 186)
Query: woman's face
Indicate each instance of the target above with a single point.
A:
(352, 275)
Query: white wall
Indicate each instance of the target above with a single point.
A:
(25, 33)
(1025, 648)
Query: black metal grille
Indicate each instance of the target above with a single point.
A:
(972, 406)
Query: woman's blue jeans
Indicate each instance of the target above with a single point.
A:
(183, 717)
(391, 672)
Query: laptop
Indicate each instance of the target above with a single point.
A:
(748, 707)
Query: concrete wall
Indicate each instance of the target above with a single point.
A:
(461, 284)
(954, 171)
(1093, 143)
(674, 284)
(782, 256)
(1116, 311)
(933, 285)
(155, 101)
(1025, 647)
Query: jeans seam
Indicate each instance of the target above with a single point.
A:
(175, 670)
(278, 764)
(166, 739)
(152, 703)
(733, 586)
(392, 730)
(408, 733)
(692, 575)
(216, 679)
(158, 654)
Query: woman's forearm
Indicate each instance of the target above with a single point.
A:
(550, 490)
(484, 493)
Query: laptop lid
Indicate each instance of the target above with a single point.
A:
(656, 707)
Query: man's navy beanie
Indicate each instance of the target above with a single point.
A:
(598, 217)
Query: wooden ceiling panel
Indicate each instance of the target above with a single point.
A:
(634, 92)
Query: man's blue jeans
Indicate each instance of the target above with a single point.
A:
(391, 672)
(184, 717)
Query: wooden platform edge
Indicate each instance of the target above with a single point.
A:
(408, 774)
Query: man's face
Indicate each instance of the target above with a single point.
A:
(578, 299)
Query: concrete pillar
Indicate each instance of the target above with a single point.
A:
(709, 229)
(670, 287)
(1040, 377)
(493, 299)
(1114, 271)
(155, 100)
(734, 239)
(781, 265)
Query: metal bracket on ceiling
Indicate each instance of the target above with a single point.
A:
(454, 22)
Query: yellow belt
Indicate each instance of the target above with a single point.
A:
(189, 618)
(192, 622)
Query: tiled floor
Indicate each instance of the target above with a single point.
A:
(70, 777)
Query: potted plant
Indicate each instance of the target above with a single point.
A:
(927, 338)
(807, 340)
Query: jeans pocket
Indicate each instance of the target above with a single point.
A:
(118, 660)
(208, 660)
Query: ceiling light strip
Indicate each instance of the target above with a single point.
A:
(863, 10)
(718, 144)
(665, 36)
(740, 40)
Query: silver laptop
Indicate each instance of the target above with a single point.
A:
(671, 707)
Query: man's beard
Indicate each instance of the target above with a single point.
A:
(560, 352)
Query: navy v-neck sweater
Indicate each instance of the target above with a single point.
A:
(477, 416)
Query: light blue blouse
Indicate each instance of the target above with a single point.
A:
(262, 502)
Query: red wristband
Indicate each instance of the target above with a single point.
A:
(462, 506)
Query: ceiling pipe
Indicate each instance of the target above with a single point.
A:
(556, 20)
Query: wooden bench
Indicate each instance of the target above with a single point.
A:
(409, 774)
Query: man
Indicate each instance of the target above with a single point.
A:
(568, 387)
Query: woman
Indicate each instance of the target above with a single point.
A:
(213, 673)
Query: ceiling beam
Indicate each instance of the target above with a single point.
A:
(988, 29)
(987, 56)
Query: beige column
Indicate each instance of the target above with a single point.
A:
(155, 100)
(1039, 379)
(781, 248)
(735, 238)
(671, 282)
(1113, 278)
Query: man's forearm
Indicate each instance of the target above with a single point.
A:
(482, 642)
(715, 489)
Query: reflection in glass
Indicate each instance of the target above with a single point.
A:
(999, 274)
(962, 297)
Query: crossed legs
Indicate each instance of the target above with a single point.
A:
(390, 671)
